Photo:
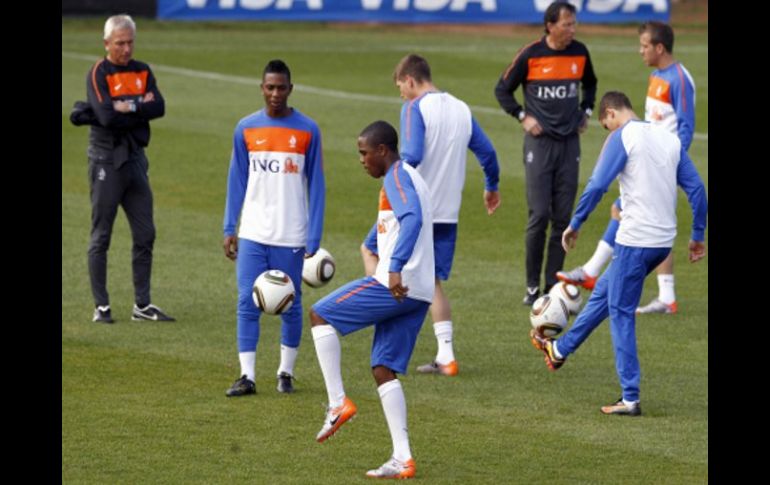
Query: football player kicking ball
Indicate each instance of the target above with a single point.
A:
(395, 299)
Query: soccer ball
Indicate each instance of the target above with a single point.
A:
(549, 315)
(273, 292)
(569, 294)
(319, 269)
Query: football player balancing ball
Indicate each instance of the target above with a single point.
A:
(273, 292)
(319, 269)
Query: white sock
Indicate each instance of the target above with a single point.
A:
(443, 331)
(602, 254)
(288, 358)
(329, 352)
(666, 288)
(556, 351)
(630, 404)
(248, 361)
(394, 407)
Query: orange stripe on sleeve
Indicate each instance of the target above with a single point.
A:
(384, 202)
(356, 290)
(556, 67)
(398, 183)
(518, 54)
(93, 80)
(681, 83)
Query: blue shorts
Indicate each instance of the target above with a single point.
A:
(444, 238)
(365, 302)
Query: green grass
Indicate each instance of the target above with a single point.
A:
(144, 403)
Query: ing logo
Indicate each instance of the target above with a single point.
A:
(290, 167)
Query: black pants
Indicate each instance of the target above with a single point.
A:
(551, 167)
(127, 186)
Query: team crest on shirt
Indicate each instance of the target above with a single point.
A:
(138, 83)
(293, 142)
(574, 68)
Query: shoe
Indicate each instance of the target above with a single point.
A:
(103, 314)
(150, 312)
(284, 383)
(450, 369)
(532, 294)
(620, 408)
(545, 345)
(657, 306)
(577, 277)
(394, 469)
(335, 418)
(241, 387)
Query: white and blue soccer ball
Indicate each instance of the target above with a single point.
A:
(273, 292)
(318, 269)
(549, 315)
(569, 294)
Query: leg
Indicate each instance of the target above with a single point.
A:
(393, 344)
(444, 239)
(290, 261)
(666, 300)
(251, 262)
(106, 192)
(137, 203)
(564, 186)
(625, 290)
(538, 169)
(593, 313)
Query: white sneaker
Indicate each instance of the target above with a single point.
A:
(394, 469)
(657, 306)
(335, 418)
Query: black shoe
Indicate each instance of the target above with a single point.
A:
(151, 312)
(284, 383)
(103, 314)
(532, 295)
(620, 408)
(241, 387)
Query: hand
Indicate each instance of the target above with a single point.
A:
(697, 250)
(568, 238)
(583, 126)
(491, 201)
(531, 126)
(398, 290)
(150, 96)
(122, 106)
(230, 245)
(309, 255)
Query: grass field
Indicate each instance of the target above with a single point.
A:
(144, 402)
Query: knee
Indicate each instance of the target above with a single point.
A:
(382, 374)
(315, 319)
(538, 220)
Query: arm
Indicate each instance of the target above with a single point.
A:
(237, 179)
(482, 147)
(588, 85)
(611, 162)
(407, 209)
(683, 100)
(412, 133)
(688, 178)
(316, 186)
(153, 105)
(509, 81)
(369, 252)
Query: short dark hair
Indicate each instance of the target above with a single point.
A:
(554, 10)
(412, 65)
(277, 66)
(381, 133)
(660, 33)
(614, 100)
